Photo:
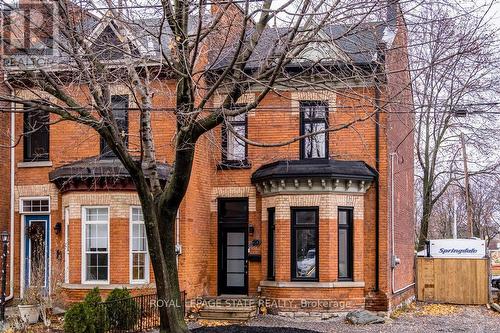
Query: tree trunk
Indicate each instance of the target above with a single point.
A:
(163, 259)
(169, 295)
(424, 222)
(160, 229)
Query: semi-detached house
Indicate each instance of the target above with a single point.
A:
(327, 218)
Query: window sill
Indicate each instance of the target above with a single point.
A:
(336, 284)
(106, 286)
(233, 165)
(34, 164)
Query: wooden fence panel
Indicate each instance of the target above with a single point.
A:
(457, 281)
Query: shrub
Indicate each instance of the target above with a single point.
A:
(93, 297)
(76, 319)
(87, 316)
(123, 311)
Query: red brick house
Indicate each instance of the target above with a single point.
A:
(329, 218)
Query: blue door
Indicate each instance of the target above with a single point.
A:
(37, 232)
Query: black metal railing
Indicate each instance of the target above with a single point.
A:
(134, 314)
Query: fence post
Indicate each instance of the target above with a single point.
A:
(184, 303)
(141, 312)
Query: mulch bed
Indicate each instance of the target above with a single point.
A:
(249, 329)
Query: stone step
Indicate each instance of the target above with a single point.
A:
(228, 301)
(224, 319)
(228, 296)
(228, 308)
(227, 314)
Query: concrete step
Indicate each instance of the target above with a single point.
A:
(228, 301)
(228, 308)
(226, 314)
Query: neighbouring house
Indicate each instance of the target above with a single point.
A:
(329, 218)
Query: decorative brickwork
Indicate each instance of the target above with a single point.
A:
(45, 190)
(118, 202)
(312, 95)
(233, 192)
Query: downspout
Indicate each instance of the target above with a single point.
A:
(378, 72)
(377, 190)
(394, 260)
(12, 201)
(178, 246)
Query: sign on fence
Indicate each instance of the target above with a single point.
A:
(457, 248)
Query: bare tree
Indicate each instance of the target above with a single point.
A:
(455, 75)
(486, 207)
(452, 205)
(217, 53)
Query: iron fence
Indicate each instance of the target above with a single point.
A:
(134, 314)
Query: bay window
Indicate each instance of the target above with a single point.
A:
(305, 259)
(139, 266)
(96, 244)
(345, 243)
(271, 269)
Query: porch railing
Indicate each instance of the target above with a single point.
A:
(135, 314)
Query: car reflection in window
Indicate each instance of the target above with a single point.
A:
(306, 267)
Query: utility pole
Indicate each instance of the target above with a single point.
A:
(454, 217)
(467, 195)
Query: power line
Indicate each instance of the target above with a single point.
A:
(277, 109)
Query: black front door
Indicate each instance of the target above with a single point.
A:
(233, 248)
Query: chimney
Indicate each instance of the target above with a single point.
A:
(392, 12)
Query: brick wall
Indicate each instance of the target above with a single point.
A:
(198, 262)
(276, 119)
(5, 151)
(400, 140)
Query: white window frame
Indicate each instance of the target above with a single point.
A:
(21, 206)
(146, 260)
(84, 245)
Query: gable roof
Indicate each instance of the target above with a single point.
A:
(355, 44)
(334, 44)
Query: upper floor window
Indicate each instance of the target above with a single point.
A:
(313, 119)
(36, 136)
(119, 107)
(234, 150)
